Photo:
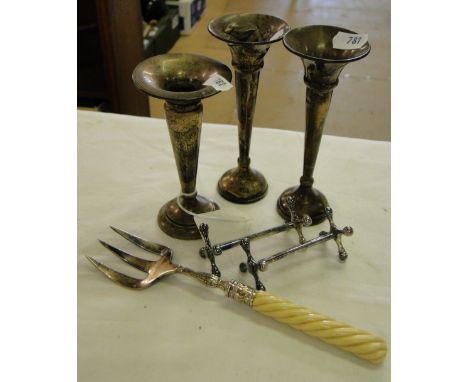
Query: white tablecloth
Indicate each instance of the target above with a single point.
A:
(181, 330)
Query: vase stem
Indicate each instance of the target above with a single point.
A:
(184, 123)
(317, 105)
(244, 184)
(246, 94)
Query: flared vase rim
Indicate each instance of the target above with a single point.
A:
(323, 59)
(180, 97)
(238, 42)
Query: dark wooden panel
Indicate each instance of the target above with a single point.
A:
(118, 38)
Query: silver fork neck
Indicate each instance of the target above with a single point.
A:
(232, 289)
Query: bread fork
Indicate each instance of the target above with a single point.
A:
(358, 342)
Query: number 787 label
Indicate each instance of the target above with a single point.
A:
(344, 40)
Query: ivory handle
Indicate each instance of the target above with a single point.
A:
(359, 342)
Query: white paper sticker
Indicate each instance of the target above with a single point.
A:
(276, 35)
(344, 40)
(218, 82)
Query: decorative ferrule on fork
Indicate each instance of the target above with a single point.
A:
(240, 292)
(232, 289)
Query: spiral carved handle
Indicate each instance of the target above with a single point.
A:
(359, 342)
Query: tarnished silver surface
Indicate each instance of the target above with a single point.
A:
(249, 36)
(208, 250)
(157, 269)
(164, 266)
(240, 292)
(207, 279)
(179, 78)
(295, 222)
(252, 265)
(322, 67)
(335, 233)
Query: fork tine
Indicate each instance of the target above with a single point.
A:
(142, 243)
(137, 262)
(117, 277)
